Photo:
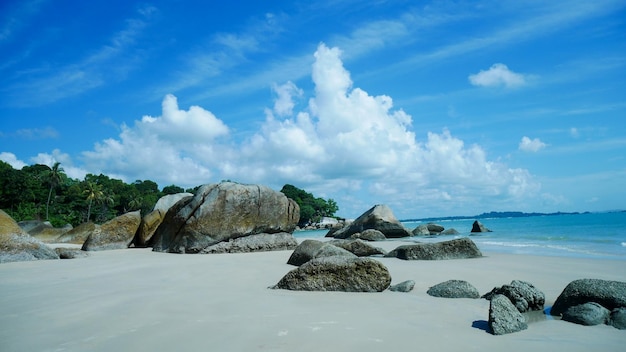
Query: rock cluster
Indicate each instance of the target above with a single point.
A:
(17, 245)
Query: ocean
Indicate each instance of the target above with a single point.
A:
(589, 235)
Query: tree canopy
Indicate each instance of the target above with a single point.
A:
(312, 209)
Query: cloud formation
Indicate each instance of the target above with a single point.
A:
(345, 144)
(531, 145)
(497, 75)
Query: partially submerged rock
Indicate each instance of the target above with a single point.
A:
(454, 289)
(504, 318)
(477, 226)
(380, 217)
(609, 294)
(337, 274)
(460, 248)
(16, 245)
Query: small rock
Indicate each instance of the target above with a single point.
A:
(504, 318)
(404, 286)
(454, 289)
(618, 318)
(477, 226)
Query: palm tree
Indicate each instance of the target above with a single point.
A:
(93, 191)
(54, 179)
(135, 202)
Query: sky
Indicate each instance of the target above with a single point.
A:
(434, 108)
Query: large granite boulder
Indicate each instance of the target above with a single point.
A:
(379, 217)
(222, 212)
(151, 221)
(590, 313)
(358, 247)
(610, 294)
(460, 248)
(504, 318)
(79, 234)
(17, 245)
(434, 228)
(116, 233)
(311, 249)
(477, 226)
(262, 242)
(522, 294)
(454, 289)
(337, 273)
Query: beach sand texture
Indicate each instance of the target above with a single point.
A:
(139, 300)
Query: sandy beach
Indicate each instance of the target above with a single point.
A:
(138, 300)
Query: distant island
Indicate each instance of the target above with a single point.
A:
(497, 214)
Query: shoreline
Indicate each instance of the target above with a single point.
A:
(136, 299)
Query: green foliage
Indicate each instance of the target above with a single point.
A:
(38, 192)
(312, 209)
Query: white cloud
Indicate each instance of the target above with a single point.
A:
(497, 75)
(531, 145)
(12, 160)
(574, 132)
(345, 144)
(66, 163)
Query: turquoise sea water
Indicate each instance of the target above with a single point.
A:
(591, 235)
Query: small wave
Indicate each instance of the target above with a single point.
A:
(623, 244)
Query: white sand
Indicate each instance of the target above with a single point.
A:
(138, 300)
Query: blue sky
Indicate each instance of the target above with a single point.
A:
(433, 107)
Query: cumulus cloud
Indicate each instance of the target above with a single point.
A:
(345, 143)
(531, 145)
(12, 160)
(497, 75)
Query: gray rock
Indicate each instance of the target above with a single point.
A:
(454, 289)
(379, 217)
(116, 233)
(460, 248)
(609, 294)
(221, 212)
(504, 318)
(151, 221)
(337, 274)
(421, 230)
(371, 235)
(311, 249)
(79, 234)
(434, 228)
(450, 231)
(358, 247)
(167, 201)
(477, 226)
(522, 294)
(16, 245)
(618, 318)
(263, 242)
(404, 286)
(70, 253)
(590, 313)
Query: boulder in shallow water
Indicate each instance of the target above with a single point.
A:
(460, 248)
(477, 226)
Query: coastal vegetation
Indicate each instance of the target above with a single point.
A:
(40, 192)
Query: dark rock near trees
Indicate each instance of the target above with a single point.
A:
(449, 231)
(404, 286)
(504, 318)
(151, 221)
(263, 242)
(358, 247)
(222, 212)
(70, 253)
(436, 228)
(454, 289)
(337, 274)
(609, 294)
(369, 235)
(379, 217)
(477, 226)
(421, 230)
(311, 249)
(79, 234)
(460, 248)
(590, 313)
(522, 294)
(618, 318)
(16, 245)
(116, 233)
